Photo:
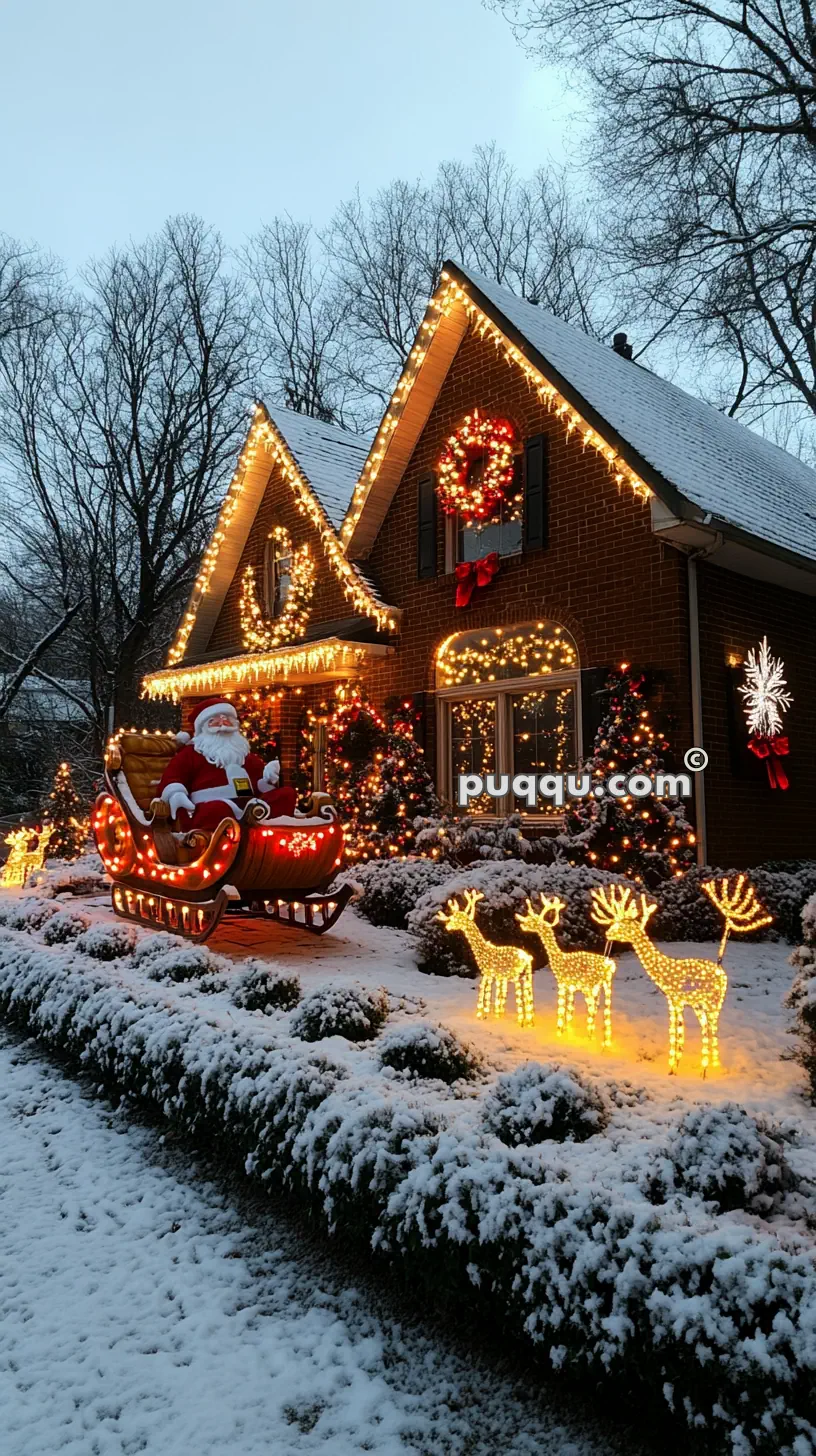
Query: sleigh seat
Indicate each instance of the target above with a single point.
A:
(185, 880)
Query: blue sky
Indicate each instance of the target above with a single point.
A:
(113, 116)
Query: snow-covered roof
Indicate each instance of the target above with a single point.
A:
(714, 462)
(331, 459)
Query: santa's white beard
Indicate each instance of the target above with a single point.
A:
(225, 747)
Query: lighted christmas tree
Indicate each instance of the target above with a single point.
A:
(257, 716)
(377, 777)
(649, 839)
(63, 811)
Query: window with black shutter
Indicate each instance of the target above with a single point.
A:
(426, 526)
(536, 493)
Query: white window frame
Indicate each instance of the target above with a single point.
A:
(451, 533)
(503, 691)
(271, 562)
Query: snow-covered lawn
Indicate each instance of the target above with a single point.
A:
(141, 1310)
(605, 1251)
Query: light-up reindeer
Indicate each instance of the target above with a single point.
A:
(499, 964)
(700, 985)
(578, 970)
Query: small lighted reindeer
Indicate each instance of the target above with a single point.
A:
(700, 985)
(500, 965)
(578, 970)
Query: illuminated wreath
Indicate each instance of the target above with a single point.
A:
(478, 441)
(261, 634)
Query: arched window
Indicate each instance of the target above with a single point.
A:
(277, 570)
(508, 703)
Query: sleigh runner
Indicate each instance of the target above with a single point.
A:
(280, 868)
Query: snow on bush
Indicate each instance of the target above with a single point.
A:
(263, 987)
(506, 889)
(424, 1050)
(685, 913)
(107, 942)
(64, 926)
(714, 1316)
(356, 1012)
(802, 995)
(726, 1156)
(460, 840)
(391, 889)
(83, 876)
(29, 913)
(166, 958)
(540, 1101)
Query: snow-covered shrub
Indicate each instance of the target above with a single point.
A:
(107, 942)
(460, 840)
(30, 913)
(83, 876)
(685, 913)
(64, 926)
(391, 888)
(337, 1009)
(166, 958)
(263, 987)
(802, 995)
(540, 1101)
(424, 1050)
(785, 891)
(506, 889)
(726, 1156)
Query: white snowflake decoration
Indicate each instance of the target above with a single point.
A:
(764, 691)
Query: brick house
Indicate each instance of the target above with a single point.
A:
(636, 522)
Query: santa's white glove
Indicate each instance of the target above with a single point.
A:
(176, 797)
(271, 776)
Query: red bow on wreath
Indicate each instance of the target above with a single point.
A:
(470, 574)
(772, 750)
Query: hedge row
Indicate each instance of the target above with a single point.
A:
(673, 1303)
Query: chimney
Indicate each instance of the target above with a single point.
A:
(621, 345)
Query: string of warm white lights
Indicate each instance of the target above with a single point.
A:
(259, 633)
(263, 436)
(230, 674)
(533, 649)
(448, 296)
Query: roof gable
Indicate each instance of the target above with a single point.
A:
(320, 463)
(654, 436)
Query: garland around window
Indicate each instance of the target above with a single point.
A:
(262, 634)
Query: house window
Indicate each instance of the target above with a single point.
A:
(507, 699)
(277, 571)
(467, 541)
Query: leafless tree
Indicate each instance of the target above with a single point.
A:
(341, 308)
(119, 423)
(706, 119)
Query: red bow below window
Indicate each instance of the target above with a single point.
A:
(473, 574)
(772, 750)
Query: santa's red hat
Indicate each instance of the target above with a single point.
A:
(211, 708)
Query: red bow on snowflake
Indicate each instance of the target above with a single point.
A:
(473, 574)
(772, 750)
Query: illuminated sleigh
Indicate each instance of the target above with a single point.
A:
(184, 882)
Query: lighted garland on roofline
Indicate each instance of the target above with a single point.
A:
(259, 633)
(263, 435)
(448, 296)
(228, 674)
(461, 489)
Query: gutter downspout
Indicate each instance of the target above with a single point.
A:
(697, 707)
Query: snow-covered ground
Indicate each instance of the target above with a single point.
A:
(145, 1310)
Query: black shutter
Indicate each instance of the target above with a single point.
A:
(594, 703)
(536, 493)
(426, 525)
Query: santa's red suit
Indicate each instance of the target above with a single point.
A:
(216, 774)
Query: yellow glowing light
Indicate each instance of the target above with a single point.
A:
(229, 674)
(261, 635)
(500, 965)
(533, 649)
(578, 970)
(697, 984)
(24, 857)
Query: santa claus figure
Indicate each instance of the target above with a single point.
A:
(216, 773)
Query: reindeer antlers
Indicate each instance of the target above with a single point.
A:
(549, 906)
(738, 906)
(618, 902)
(472, 898)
